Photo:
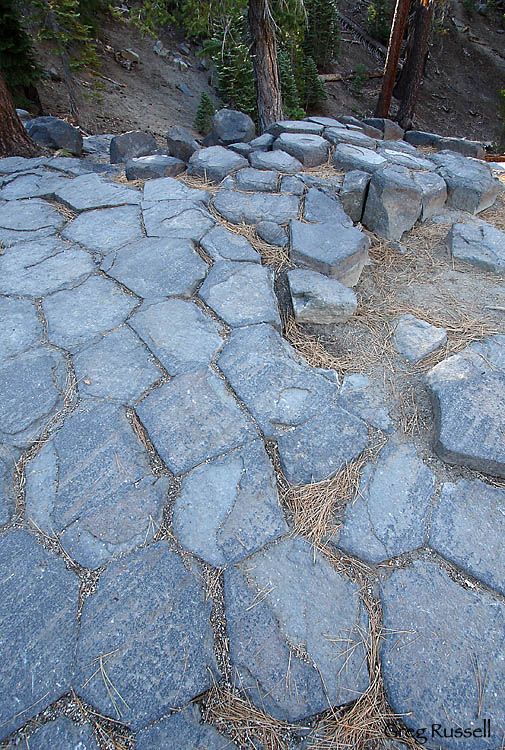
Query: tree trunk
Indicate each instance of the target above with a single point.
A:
(14, 140)
(416, 62)
(266, 67)
(393, 56)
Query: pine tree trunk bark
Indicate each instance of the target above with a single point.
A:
(266, 66)
(14, 140)
(393, 56)
(416, 62)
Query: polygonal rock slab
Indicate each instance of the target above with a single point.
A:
(295, 126)
(244, 513)
(194, 418)
(37, 268)
(402, 159)
(353, 137)
(318, 299)
(331, 249)
(7, 497)
(91, 191)
(168, 189)
(414, 338)
(182, 730)
(349, 157)
(63, 733)
(40, 184)
(179, 333)
(214, 163)
(394, 202)
(75, 316)
(153, 268)
(293, 403)
(468, 395)
(158, 165)
(241, 294)
(32, 385)
(390, 130)
(322, 205)
(117, 367)
(368, 401)
(38, 609)
(92, 484)
(480, 244)
(390, 513)
(277, 160)
(440, 640)
(467, 528)
(256, 179)
(310, 150)
(221, 244)
(288, 617)
(255, 207)
(105, 229)
(21, 327)
(27, 220)
(272, 233)
(353, 193)
(148, 617)
(183, 221)
(470, 183)
(292, 184)
(433, 192)
(12, 164)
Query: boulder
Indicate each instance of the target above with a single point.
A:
(318, 299)
(278, 160)
(311, 150)
(393, 204)
(158, 165)
(299, 127)
(353, 193)
(55, 133)
(470, 184)
(131, 145)
(355, 124)
(391, 131)
(349, 157)
(355, 138)
(262, 142)
(244, 149)
(181, 143)
(420, 138)
(215, 163)
(462, 146)
(480, 244)
(230, 126)
(415, 338)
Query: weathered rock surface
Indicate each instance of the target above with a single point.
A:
(272, 233)
(318, 299)
(63, 733)
(274, 621)
(470, 184)
(215, 162)
(255, 179)
(7, 496)
(245, 512)
(322, 205)
(349, 157)
(390, 514)
(157, 165)
(468, 395)
(298, 127)
(336, 135)
(403, 159)
(38, 610)
(182, 730)
(131, 145)
(354, 192)
(414, 338)
(21, 328)
(255, 207)
(221, 244)
(391, 130)
(55, 133)
(122, 226)
(168, 189)
(39, 184)
(421, 138)
(331, 249)
(311, 150)
(194, 418)
(262, 142)
(179, 333)
(482, 245)
(147, 628)
(27, 220)
(393, 204)
(433, 193)
(279, 161)
(230, 126)
(181, 143)
(462, 146)
(102, 502)
(437, 635)
(359, 396)
(92, 191)
(241, 294)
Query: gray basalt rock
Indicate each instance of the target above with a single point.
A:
(390, 513)
(349, 157)
(326, 122)
(149, 167)
(272, 233)
(230, 126)
(352, 123)
(391, 130)
(468, 395)
(428, 681)
(470, 184)
(215, 163)
(122, 223)
(366, 400)
(393, 204)
(462, 146)
(245, 513)
(255, 179)
(75, 316)
(38, 610)
(393, 156)
(252, 208)
(131, 145)
(433, 192)
(26, 220)
(97, 145)
(311, 150)
(242, 294)
(103, 502)
(291, 184)
(168, 189)
(355, 138)
(323, 206)
(482, 245)
(92, 191)
(182, 219)
(262, 142)
(154, 620)
(55, 133)
(271, 609)
(179, 333)
(181, 143)
(182, 730)
(467, 527)
(297, 127)
(7, 495)
(21, 328)
(244, 149)
(194, 418)
(279, 161)
(40, 183)
(420, 138)
(318, 299)
(221, 244)
(63, 733)
(331, 249)
(414, 338)
(353, 193)
(12, 164)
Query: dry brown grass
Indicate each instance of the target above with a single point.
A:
(121, 179)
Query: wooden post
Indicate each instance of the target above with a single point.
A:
(266, 66)
(393, 56)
